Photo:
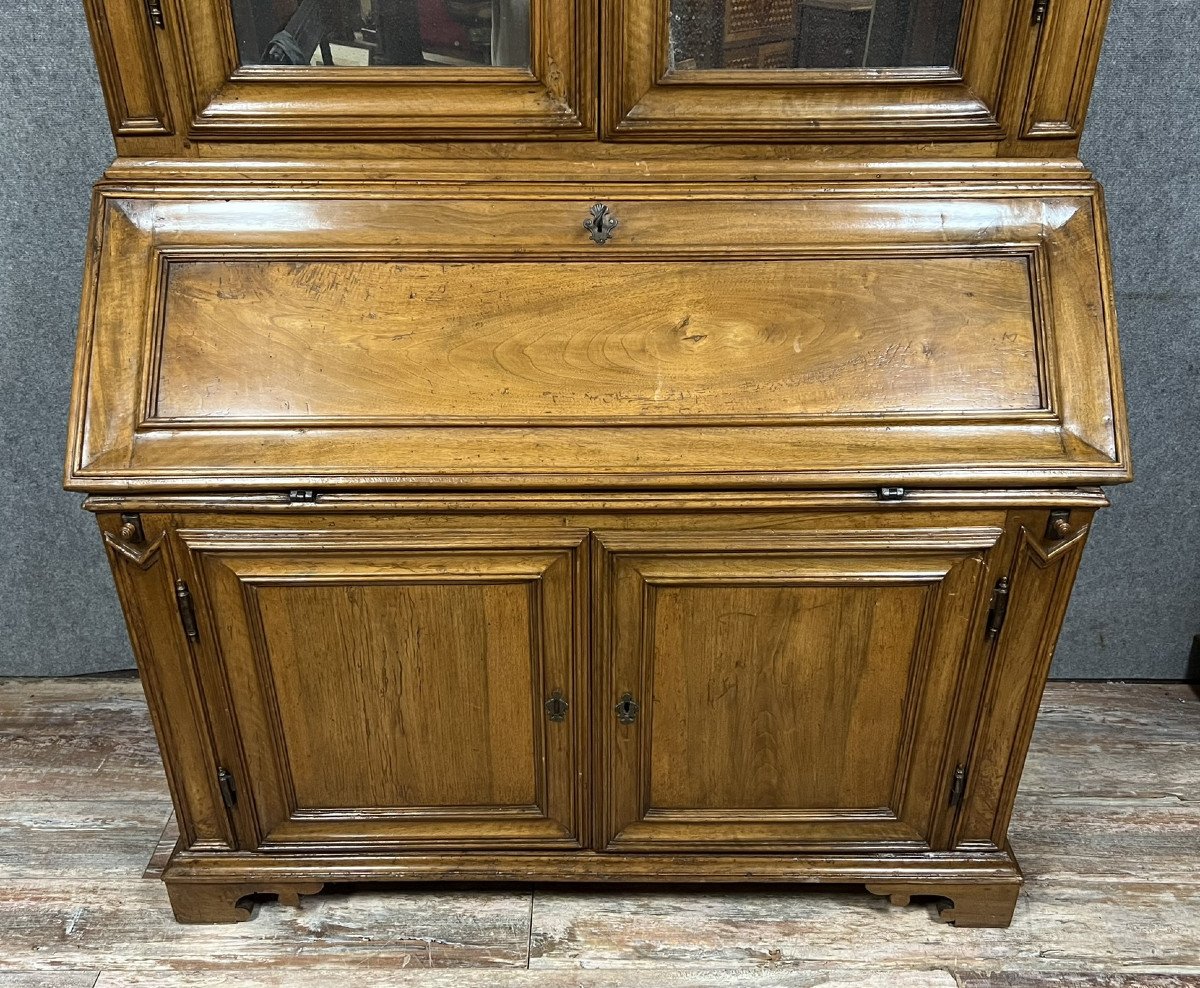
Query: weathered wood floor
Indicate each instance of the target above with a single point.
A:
(1107, 828)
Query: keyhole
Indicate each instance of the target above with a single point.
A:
(627, 709)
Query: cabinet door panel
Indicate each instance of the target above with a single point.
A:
(794, 689)
(806, 70)
(390, 687)
(537, 84)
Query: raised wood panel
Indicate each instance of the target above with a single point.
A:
(127, 58)
(251, 341)
(642, 99)
(836, 340)
(796, 690)
(1064, 68)
(555, 98)
(389, 688)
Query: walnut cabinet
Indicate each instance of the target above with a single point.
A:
(635, 440)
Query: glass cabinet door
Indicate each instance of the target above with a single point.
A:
(502, 69)
(805, 69)
(363, 33)
(813, 34)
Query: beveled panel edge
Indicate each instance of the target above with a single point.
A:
(163, 258)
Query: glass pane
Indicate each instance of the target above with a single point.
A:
(383, 32)
(813, 34)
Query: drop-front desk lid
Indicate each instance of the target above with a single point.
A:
(849, 338)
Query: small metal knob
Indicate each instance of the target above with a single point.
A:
(131, 529)
(1058, 525)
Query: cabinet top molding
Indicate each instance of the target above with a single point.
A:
(613, 79)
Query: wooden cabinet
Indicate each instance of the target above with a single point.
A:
(596, 440)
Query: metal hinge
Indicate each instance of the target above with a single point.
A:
(892, 493)
(958, 787)
(154, 10)
(228, 787)
(187, 611)
(302, 496)
(1040, 9)
(999, 609)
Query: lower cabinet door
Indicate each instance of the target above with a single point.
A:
(775, 691)
(413, 690)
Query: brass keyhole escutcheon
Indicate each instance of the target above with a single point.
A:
(627, 709)
(600, 224)
(557, 707)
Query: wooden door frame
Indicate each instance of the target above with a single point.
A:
(622, 776)
(642, 100)
(554, 99)
(551, 562)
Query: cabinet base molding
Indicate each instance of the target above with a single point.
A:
(966, 905)
(226, 902)
(982, 888)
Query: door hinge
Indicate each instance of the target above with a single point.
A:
(228, 787)
(1040, 9)
(999, 609)
(958, 787)
(892, 493)
(187, 611)
(154, 10)
(302, 496)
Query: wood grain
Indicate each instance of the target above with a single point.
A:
(392, 686)
(128, 926)
(77, 839)
(1056, 929)
(742, 649)
(311, 341)
(54, 747)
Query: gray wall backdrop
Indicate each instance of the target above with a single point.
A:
(1137, 606)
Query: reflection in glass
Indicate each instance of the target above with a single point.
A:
(383, 32)
(813, 34)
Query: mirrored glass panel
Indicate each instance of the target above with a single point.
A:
(362, 33)
(813, 34)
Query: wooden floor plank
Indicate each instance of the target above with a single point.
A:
(128, 926)
(1104, 841)
(57, 979)
(1103, 712)
(77, 840)
(1010, 979)
(75, 739)
(736, 978)
(1147, 927)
